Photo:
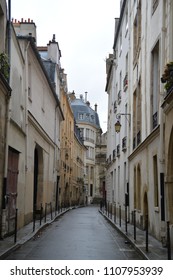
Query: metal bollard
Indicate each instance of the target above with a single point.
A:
(146, 224)
(15, 231)
(41, 212)
(134, 223)
(45, 212)
(168, 241)
(120, 215)
(126, 219)
(51, 210)
(115, 213)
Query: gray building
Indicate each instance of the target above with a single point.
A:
(88, 124)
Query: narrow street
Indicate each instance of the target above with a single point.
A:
(80, 234)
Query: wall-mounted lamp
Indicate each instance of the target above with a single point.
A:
(118, 124)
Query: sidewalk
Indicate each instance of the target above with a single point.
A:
(156, 251)
(7, 245)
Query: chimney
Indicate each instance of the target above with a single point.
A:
(95, 107)
(86, 96)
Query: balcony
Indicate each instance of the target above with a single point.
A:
(88, 139)
(124, 144)
(125, 82)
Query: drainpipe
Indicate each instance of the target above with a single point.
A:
(3, 228)
(8, 107)
(161, 146)
(26, 110)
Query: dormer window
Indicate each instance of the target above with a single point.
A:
(81, 116)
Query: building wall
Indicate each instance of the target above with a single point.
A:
(33, 132)
(67, 182)
(149, 144)
(117, 88)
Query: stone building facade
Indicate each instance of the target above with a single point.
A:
(148, 27)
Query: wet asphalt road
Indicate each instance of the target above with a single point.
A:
(80, 234)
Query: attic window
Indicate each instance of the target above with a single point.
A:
(81, 116)
(92, 118)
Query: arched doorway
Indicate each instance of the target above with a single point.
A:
(38, 177)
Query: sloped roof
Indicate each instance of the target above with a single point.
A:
(83, 113)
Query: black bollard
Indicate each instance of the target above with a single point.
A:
(134, 223)
(15, 231)
(115, 213)
(146, 224)
(168, 241)
(126, 218)
(120, 215)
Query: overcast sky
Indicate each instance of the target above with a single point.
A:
(84, 30)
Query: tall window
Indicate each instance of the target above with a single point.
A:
(154, 5)
(127, 26)
(115, 177)
(137, 116)
(137, 33)
(155, 173)
(135, 196)
(155, 82)
(138, 187)
(118, 183)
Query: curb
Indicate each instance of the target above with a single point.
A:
(125, 235)
(30, 236)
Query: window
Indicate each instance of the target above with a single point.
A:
(138, 191)
(91, 189)
(81, 133)
(155, 82)
(154, 5)
(81, 116)
(87, 134)
(137, 34)
(126, 25)
(92, 173)
(135, 196)
(155, 173)
(137, 116)
(119, 184)
(120, 42)
(92, 118)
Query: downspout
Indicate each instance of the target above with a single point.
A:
(26, 111)
(161, 146)
(3, 228)
(8, 101)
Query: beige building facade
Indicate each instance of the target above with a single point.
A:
(33, 133)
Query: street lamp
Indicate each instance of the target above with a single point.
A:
(118, 124)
